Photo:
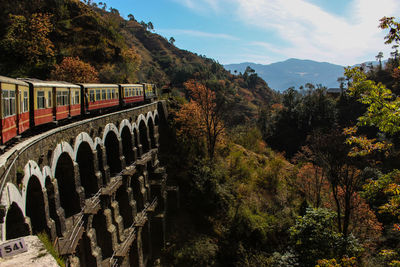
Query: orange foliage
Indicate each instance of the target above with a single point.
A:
(74, 70)
(364, 224)
(40, 27)
(312, 184)
(201, 116)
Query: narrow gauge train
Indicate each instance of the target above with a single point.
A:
(28, 103)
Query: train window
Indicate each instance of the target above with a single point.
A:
(76, 98)
(103, 94)
(126, 92)
(108, 94)
(40, 99)
(8, 98)
(91, 96)
(113, 94)
(62, 98)
(49, 99)
(98, 94)
(24, 104)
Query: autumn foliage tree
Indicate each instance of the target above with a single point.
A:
(74, 70)
(201, 117)
(27, 41)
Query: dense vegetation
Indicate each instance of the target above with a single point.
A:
(302, 178)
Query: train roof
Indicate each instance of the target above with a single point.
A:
(98, 85)
(131, 84)
(40, 83)
(4, 79)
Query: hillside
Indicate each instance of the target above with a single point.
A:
(38, 35)
(294, 72)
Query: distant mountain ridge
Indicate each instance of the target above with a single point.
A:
(293, 72)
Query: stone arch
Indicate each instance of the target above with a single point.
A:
(149, 115)
(64, 170)
(15, 222)
(63, 147)
(86, 162)
(83, 137)
(35, 207)
(144, 136)
(156, 118)
(111, 143)
(127, 145)
(32, 169)
(150, 126)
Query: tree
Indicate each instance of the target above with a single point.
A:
(74, 70)
(172, 40)
(202, 113)
(314, 237)
(328, 150)
(379, 58)
(150, 26)
(131, 17)
(27, 41)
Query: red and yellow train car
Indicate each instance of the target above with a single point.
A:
(149, 91)
(131, 94)
(100, 96)
(14, 108)
(52, 101)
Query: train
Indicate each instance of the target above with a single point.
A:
(27, 103)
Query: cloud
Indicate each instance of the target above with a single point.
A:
(198, 34)
(308, 31)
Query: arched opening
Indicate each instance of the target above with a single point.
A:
(15, 223)
(143, 137)
(35, 208)
(112, 150)
(156, 121)
(125, 209)
(51, 196)
(101, 164)
(127, 145)
(65, 175)
(138, 195)
(151, 133)
(134, 255)
(103, 237)
(84, 251)
(86, 170)
(146, 241)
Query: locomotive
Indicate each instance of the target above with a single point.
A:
(27, 103)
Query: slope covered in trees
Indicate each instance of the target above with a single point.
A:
(38, 38)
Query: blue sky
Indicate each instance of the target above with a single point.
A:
(343, 32)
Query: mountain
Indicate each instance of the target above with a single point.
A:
(120, 51)
(293, 72)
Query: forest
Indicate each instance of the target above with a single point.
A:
(299, 178)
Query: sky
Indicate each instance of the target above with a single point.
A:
(343, 32)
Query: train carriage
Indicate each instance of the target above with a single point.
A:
(131, 94)
(52, 101)
(100, 96)
(149, 92)
(14, 108)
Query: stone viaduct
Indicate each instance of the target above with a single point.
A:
(95, 186)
